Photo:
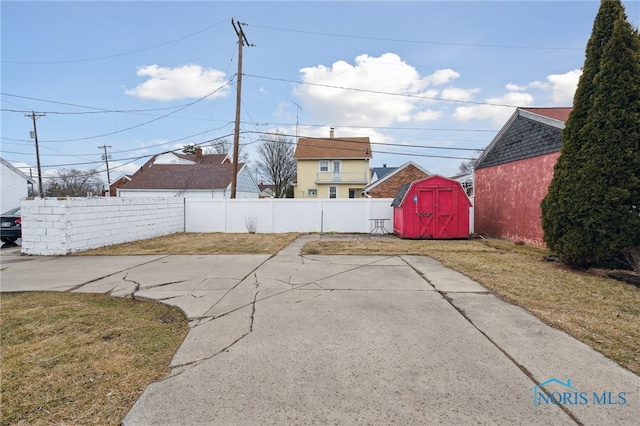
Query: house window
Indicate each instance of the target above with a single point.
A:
(333, 192)
(324, 166)
(337, 176)
(312, 192)
(352, 192)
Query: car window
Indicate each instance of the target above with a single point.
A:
(12, 212)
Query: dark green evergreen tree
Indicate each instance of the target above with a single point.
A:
(592, 210)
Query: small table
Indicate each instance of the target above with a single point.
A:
(378, 225)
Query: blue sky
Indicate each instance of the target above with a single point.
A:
(425, 80)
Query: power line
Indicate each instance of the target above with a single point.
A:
(141, 124)
(98, 110)
(71, 61)
(417, 41)
(432, 98)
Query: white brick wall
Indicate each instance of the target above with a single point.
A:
(63, 226)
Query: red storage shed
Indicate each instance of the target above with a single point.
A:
(431, 208)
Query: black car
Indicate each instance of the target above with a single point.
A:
(11, 226)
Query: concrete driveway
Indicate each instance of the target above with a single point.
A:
(293, 339)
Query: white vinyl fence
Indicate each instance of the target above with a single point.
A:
(286, 215)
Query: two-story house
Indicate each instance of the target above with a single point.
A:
(332, 167)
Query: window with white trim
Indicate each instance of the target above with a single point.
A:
(333, 192)
(324, 166)
(312, 192)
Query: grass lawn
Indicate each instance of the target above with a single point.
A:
(85, 359)
(212, 243)
(75, 359)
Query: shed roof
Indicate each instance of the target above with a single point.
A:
(338, 148)
(402, 192)
(397, 201)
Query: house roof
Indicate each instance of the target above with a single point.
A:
(339, 148)
(529, 132)
(393, 173)
(558, 113)
(18, 172)
(381, 172)
(208, 172)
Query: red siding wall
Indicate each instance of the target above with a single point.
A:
(508, 196)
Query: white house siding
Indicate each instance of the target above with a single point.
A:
(246, 185)
(169, 193)
(192, 193)
(15, 186)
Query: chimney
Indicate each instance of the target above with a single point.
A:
(331, 133)
(198, 153)
(384, 166)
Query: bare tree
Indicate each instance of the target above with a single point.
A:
(74, 183)
(466, 167)
(221, 146)
(224, 146)
(276, 163)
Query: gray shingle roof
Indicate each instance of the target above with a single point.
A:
(521, 138)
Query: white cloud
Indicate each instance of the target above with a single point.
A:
(428, 115)
(458, 94)
(187, 81)
(497, 114)
(563, 87)
(374, 91)
(442, 76)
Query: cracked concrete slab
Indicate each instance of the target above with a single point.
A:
(209, 338)
(65, 273)
(549, 353)
(376, 277)
(370, 358)
(194, 304)
(176, 268)
(442, 278)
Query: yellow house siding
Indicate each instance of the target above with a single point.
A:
(354, 174)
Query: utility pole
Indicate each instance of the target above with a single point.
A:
(242, 39)
(34, 135)
(106, 157)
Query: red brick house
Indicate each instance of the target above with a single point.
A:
(513, 173)
(118, 183)
(388, 185)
